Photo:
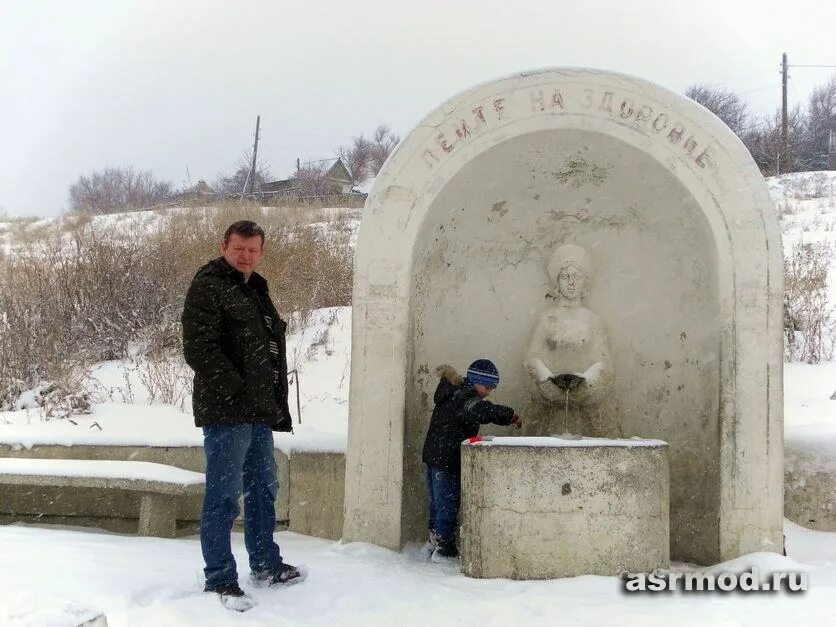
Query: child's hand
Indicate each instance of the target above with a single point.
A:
(517, 421)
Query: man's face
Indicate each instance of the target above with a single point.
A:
(243, 253)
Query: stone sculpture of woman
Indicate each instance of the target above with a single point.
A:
(568, 358)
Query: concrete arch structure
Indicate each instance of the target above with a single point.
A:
(679, 220)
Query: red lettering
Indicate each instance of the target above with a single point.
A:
(442, 142)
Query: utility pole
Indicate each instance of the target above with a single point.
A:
(251, 177)
(784, 123)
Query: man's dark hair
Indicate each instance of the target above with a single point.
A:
(244, 228)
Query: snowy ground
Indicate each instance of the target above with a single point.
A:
(150, 581)
(809, 411)
(321, 352)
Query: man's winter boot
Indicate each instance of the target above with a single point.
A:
(430, 545)
(446, 550)
(287, 576)
(232, 597)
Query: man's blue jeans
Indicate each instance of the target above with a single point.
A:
(443, 489)
(239, 458)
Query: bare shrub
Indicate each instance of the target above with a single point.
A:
(810, 185)
(167, 378)
(357, 158)
(76, 221)
(820, 119)
(809, 323)
(786, 208)
(29, 230)
(103, 293)
(764, 141)
(723, 103)
(385, 142)
(61, 400)
(117, 189)
(322, 337)
(126, 391)
(10, 390)
(67, 394)
(239, 181)
(312, 180)
(364, 158)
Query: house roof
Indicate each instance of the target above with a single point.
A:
(338, 173)
(277, 186)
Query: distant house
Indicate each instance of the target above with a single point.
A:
(339, 176)
(335, 180)
(278, 187)
(199, 191)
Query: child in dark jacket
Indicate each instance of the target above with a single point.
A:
(460, 408)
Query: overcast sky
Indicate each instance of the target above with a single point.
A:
(174, 86)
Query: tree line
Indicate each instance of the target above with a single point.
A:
(808, 127)
(118, 189)
(808, 132)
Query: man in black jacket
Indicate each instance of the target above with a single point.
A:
(460, 408)
(234, 341)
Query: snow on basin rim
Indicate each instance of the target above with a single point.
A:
(557, 442)
(103, 469)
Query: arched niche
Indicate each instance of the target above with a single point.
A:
(450, 265)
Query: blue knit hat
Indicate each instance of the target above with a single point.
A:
(483, 372)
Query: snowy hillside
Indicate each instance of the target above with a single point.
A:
(17, 233)
(806, 204)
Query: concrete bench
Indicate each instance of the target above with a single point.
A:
(158, 484)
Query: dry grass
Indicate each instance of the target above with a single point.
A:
(81, 295)
(809, 321)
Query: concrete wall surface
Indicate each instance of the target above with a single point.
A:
(317, 489)
(537, 512)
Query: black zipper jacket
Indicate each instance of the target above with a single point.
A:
(458, 413)
(226, 341)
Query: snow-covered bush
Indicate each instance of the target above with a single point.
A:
(809, 322)
(61, 401)
(166, 377)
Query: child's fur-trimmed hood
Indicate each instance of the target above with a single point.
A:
(450, 382)
(449, 373)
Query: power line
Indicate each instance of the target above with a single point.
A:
(752, 91)
(744, 78)
(831, 66)
(733, 82)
